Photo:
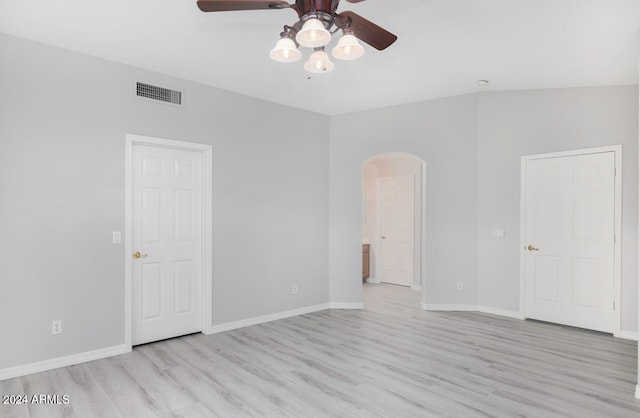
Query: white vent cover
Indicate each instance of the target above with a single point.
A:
(162, 94)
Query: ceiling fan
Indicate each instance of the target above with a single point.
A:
(317, 21)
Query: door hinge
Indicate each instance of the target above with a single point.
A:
(614, 305)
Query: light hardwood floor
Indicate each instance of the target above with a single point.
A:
(389, 360)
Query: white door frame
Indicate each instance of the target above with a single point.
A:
(617, 291)
(421, 271)
(207, 267)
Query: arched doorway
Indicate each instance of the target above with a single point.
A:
(393, 218)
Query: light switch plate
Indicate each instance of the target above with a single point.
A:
(117, 237)
(497, 232)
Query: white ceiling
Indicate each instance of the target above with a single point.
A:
(444, 46)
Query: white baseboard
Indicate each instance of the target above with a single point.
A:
(43, 366)
(55, 363)
(214, 329)
(447, 307)
(501, 312)
(340, 305)
(628, 335)
(638, 391)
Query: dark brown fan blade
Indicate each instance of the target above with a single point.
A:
(366, 30)
(229, 5)
(354, 1)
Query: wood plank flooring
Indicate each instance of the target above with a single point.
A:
(389, 360)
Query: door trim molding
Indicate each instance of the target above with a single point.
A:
(617, 246)
(207, 243)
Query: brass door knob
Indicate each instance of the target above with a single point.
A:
(532, 248)
(138, 254)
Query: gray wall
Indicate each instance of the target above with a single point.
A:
(512, 124)
(472, 146)
(637, 255)
(442, 133)
(63, 120)
(287, 207)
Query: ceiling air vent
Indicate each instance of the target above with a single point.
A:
(148, 91)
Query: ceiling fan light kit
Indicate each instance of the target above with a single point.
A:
(313, 33)
(319, 62)
(285, 50)
(314, 30)
(348, 47)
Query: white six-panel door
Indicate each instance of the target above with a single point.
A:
(396, 229)
(569, 240)
(167, 232)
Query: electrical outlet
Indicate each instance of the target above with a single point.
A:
(460, 286)
(56, 327)
(294, 289)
